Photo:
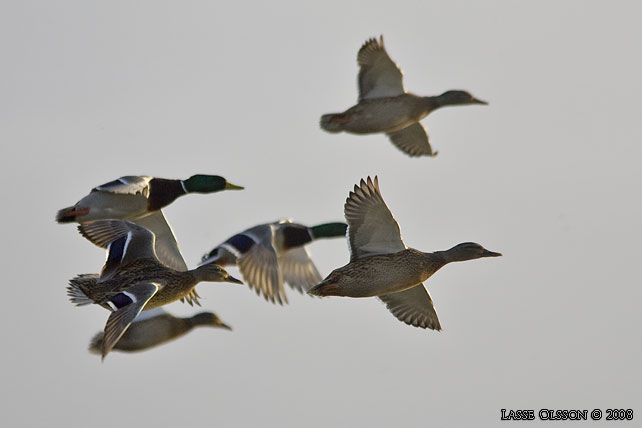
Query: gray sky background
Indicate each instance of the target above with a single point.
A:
(548, 174)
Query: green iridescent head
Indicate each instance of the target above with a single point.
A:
(329, 230)
(201, 183)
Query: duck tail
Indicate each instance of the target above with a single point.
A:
(76, 286)
(66, 215)
(327, 287)
(332, 122)
(71, 214)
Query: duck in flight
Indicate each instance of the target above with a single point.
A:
(382, 266)
(273, 253)
(139, 199)
(133, 279)
(385, 106)
(156, 327)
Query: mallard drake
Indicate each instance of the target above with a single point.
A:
(385, 106)
(156, 327)
(139, 199)
(273, 253)
(381, 265)
(133, 279)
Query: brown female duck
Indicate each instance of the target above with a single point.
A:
(381, 265)
(156, 327)
(133, 279)
(385, 106)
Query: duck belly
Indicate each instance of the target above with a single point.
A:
(374, 277)
(103, 205)
(168, 294)
(142, 335)
(375, 285)
(380, 115)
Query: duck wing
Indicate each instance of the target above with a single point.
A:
(124, 241)
(298, 269)
(379, 76)
(166, 246)
(371, 227)
(129, 185)
(413, 306)
(151, 313)
(191, 298)
(127, 305)
(257, 260)
(412, 140)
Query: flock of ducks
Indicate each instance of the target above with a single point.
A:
(144, 269)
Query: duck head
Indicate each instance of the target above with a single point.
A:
(220, 255)
(467, 251)
(201, 183)
(456, 97)
(209, 319)
(212, 272)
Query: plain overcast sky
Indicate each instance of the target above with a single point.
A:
(548, 174)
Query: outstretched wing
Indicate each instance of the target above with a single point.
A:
(126, 305)
(371, 227)
(257, 260)
(124, 241)
(298, 269)
(413, 306)
(260, 269)
(379, 76)
(166, 246)
(412, 140)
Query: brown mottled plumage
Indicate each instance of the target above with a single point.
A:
(132, 278)
(173, 285)
(381, 265)
(382, 273)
